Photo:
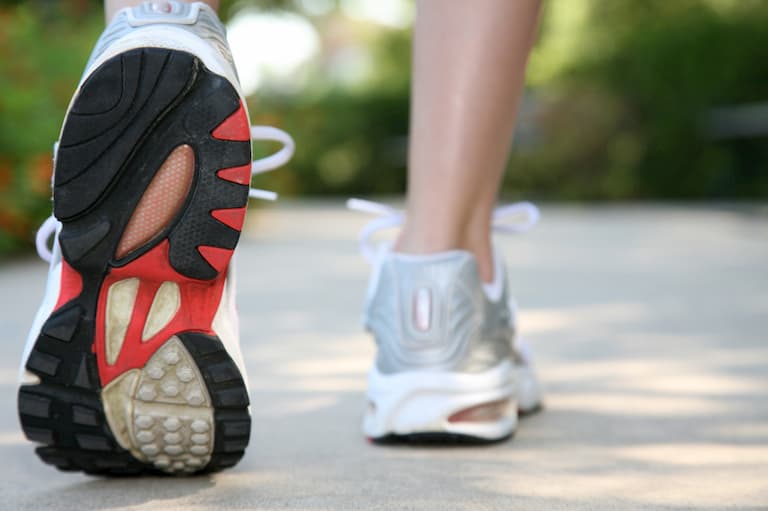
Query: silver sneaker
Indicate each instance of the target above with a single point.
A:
(449, 364)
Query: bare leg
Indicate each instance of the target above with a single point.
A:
(112, 6)
(469, 64)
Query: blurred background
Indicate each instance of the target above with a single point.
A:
(626, 99)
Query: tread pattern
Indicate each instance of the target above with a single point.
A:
(69, 418)
(126, 119)
(64, 412)
(232, 422)
(168, 415)
(110, 150)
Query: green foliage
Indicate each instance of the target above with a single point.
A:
(43, 47)
(617, 107)
(348, 142)
(344, 145)
(630, 120)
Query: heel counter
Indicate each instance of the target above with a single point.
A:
(426, 311)
(191, 27)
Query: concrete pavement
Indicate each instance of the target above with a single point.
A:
(650, 325)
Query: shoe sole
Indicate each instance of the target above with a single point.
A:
(429, 439)
(428, 407)
(433, 438)
(132, 377)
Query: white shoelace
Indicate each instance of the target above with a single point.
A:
(513, 218)
(260, 166)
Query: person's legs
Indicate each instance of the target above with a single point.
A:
(112, 6)
(468, 71)
(450, 365)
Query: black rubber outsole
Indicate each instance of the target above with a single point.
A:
(437, 439)
(126, 119)
(524, 414)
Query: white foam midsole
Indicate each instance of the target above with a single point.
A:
(422, 401)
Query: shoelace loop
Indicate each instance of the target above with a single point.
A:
(273, 161)
(506, 219)
(260, 166)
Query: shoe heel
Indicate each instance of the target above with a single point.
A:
(185, 410)
(428, 406)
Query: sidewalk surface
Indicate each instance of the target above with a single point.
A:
(651, 328)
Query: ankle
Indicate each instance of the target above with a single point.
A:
(431, 241)
(485, 264)
(414, 240)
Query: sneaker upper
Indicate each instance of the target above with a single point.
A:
(432, 312)
(191, 27)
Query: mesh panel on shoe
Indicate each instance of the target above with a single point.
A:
(161, 200)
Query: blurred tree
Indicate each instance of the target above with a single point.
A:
(43, 47)
(625, 116)
(618, 104)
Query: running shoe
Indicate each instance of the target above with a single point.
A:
(133, 363)
(450, 366)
